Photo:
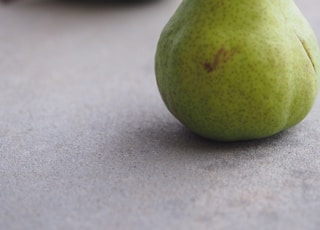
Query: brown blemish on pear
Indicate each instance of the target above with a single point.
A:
(222, 56)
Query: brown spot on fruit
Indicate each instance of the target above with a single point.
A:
(221, 57)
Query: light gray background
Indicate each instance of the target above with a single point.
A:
(86, 142)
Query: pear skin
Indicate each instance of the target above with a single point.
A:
(238, 69)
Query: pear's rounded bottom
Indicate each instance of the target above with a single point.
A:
(237, 135)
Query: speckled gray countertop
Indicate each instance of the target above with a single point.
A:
(86, 142)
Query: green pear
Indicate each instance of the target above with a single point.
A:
(238, 69)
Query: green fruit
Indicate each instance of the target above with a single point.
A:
(238, 69)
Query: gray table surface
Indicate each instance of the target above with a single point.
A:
(86, 142)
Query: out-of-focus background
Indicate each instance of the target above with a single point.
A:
(86, 142)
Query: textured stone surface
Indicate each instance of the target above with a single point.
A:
(86, 142)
